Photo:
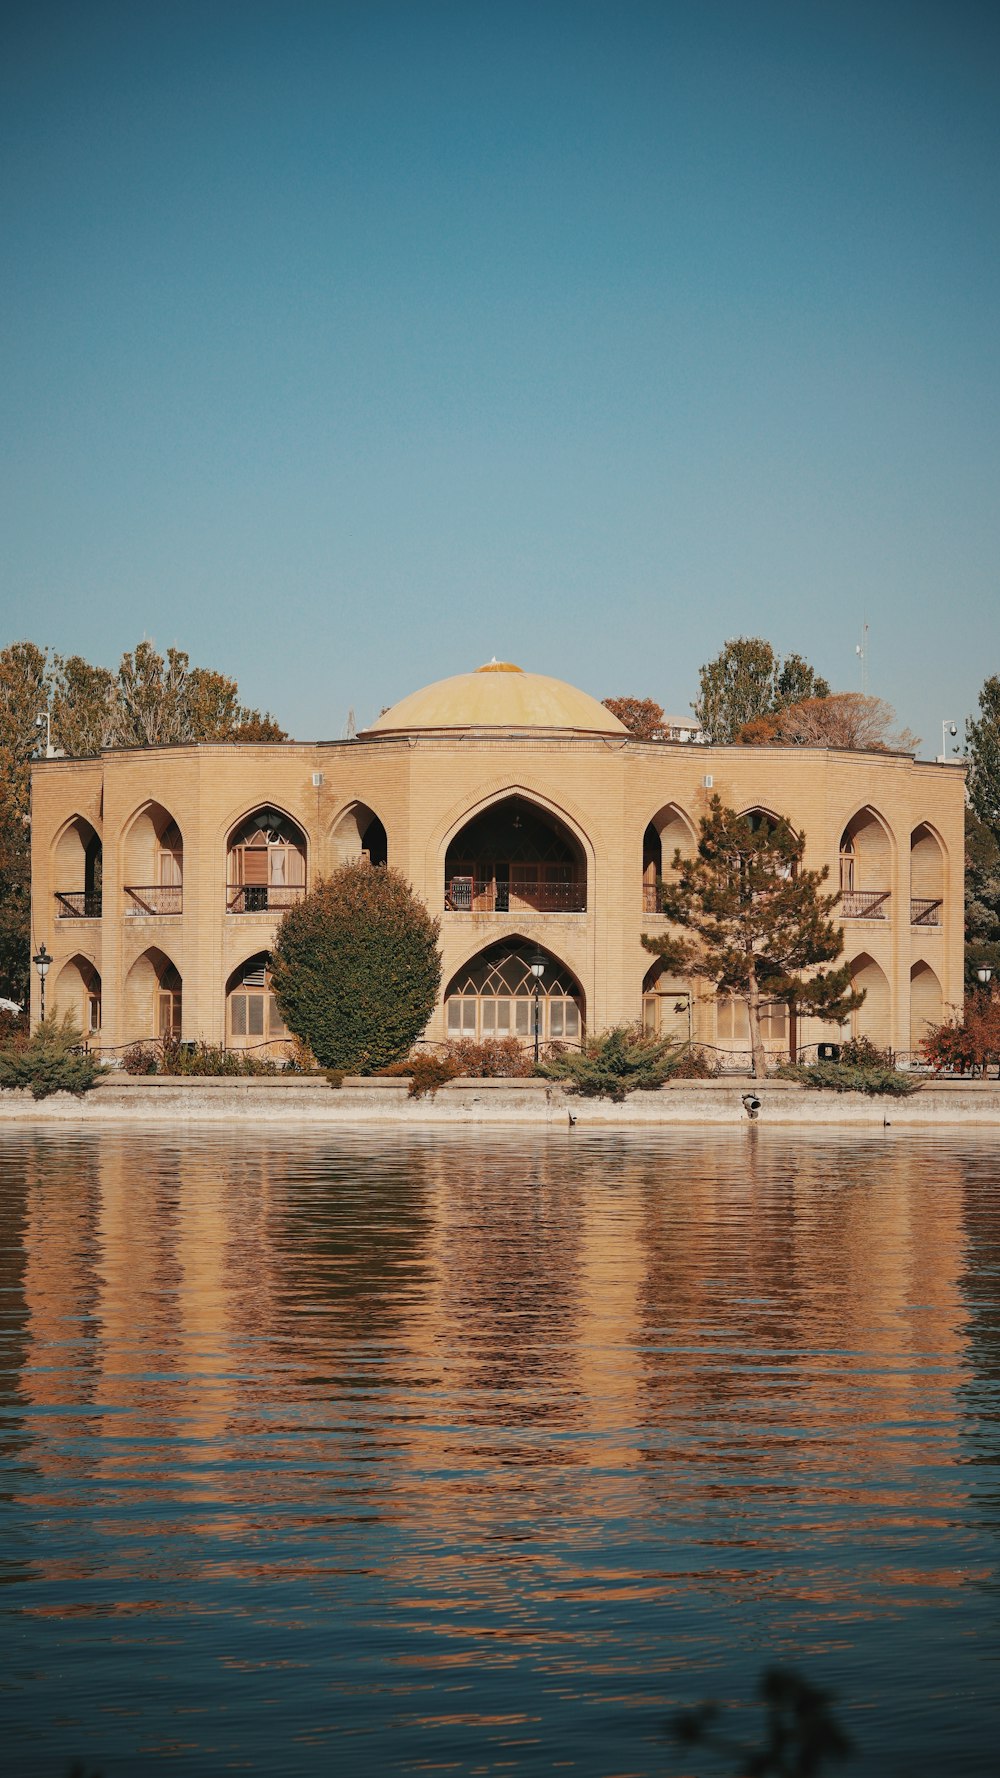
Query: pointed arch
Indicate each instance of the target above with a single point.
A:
(515, 856)
(266, 861)
(358, 832)
(152, 997)
(667, 1003)
(926, 1001)
(252, 1016)
(78, 869)
(152, 861)
(669, 831)
(77, 991)
(928, 866)
(873, 1019)
(867, 858)
(498, 993)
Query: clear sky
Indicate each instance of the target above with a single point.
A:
(349, 343)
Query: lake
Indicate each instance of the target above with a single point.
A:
(481, 1453)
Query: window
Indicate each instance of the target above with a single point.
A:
(253, 1009)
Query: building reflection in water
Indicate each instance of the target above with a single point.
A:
(498, 1378)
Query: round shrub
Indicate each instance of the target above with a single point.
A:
(356, 968)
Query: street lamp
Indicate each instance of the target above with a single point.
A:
(43, 963)
(985, 974)
(537, 967)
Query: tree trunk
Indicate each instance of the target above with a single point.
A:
(753, 1014)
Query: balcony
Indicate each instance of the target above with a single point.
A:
(153, 899)
(263, 898)
(651, 898)
(925, 912)
(865, 904)
(78, 904)
(491, 895)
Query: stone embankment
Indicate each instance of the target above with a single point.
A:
(304, 1101)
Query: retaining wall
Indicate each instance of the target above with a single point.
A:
(304, 1101)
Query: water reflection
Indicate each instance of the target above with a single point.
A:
(487, 1451)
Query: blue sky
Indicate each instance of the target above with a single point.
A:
(348, 344)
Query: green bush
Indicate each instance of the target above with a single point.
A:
(356, 968)
(875, 1079)
(618, 1062)
(50, 1061)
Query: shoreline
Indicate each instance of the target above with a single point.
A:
(312, 1102)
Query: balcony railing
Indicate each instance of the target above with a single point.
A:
(263, 898)
(154, 898)
(925, 912)
(865, 904)
(78, 904)
(469, 895)
(651, 898)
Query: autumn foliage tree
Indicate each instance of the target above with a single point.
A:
(643, 717)
(759, 922)
(841, 719)
(356, 968)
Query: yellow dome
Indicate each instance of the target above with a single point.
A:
(498, 696)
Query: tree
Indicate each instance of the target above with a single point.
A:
(759, 921)
(618, 1062)
(84, 706)
(840, 719)
(162, 701)
(643, 717)
(983, 738)
(748, 680)
(23, 698)
(982, 898)
(356, 968)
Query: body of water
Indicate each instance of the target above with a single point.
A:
(482, 1453)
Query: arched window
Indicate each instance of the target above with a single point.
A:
(252, 1014)
(926, 877)
(78, 991)
(865, 868)
(494, 995)
(168, 1004)
(152, 1000)
(515, 856)
(667, 1004)
(267, 864)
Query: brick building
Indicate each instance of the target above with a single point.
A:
(525, 816)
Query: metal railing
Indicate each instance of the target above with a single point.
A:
(154, 898)
(78, 904)
(651, 898)
(263, 898)
(924, 911)
(465, 895)
(865, 904)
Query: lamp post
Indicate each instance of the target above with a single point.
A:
(43, 963)
(538, 970)
(985, 974)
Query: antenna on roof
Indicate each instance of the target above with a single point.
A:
(861, 650)
(350, 726)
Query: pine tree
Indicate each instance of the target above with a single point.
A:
(760, 923)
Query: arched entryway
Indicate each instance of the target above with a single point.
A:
(926, 1002)
(515, 856)
(153, 863)
(78, 992)
(266, 864)
(78, 865)
(874, 1018)
(495, 995)
(252, 1016)
(153, 998)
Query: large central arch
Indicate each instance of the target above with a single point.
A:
(515, 856)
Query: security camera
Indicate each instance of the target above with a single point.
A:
(39, 721)
(751, 1104)
(953, 728)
